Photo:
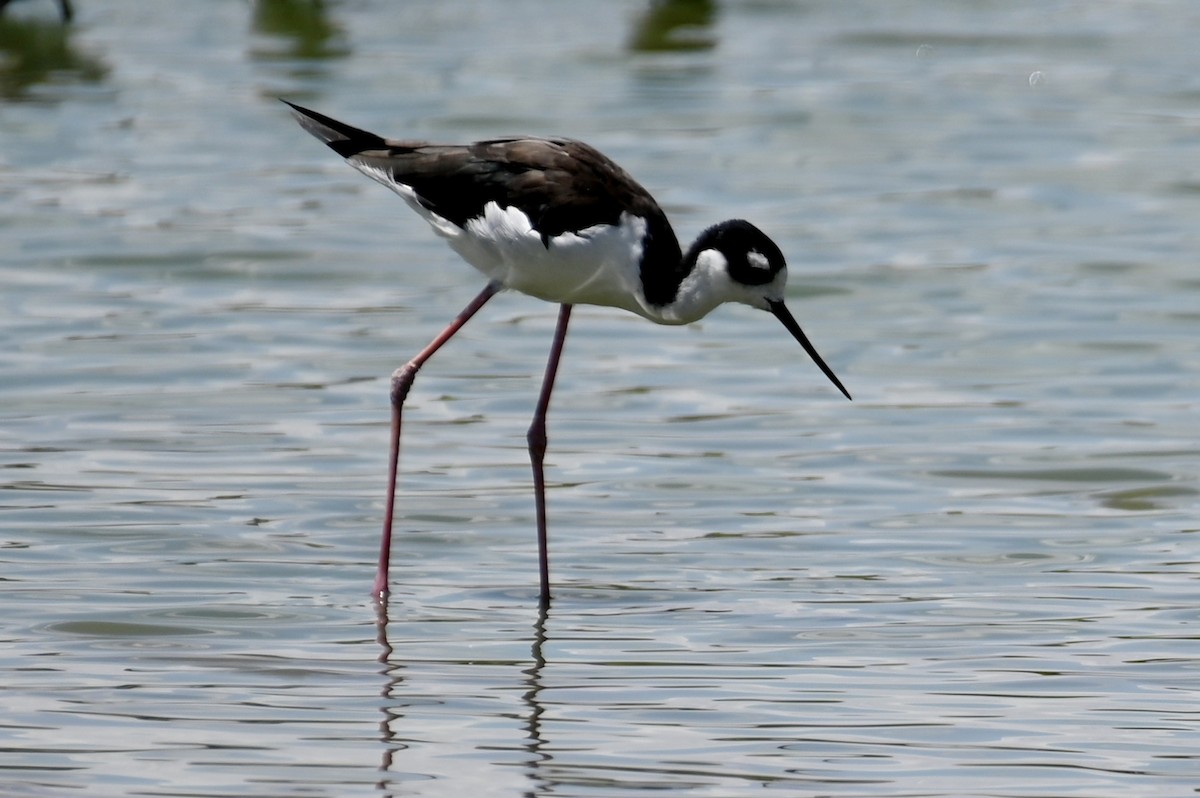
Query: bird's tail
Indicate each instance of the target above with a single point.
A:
(343, 139)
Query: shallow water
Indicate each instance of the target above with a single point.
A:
(979, 578)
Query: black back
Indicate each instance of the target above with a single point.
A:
(561, 184)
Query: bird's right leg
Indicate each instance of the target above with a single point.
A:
(402, 380)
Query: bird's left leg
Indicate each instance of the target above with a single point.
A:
(537, 449)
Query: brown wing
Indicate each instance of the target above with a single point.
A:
(560, 184)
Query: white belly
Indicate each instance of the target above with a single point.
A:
(596, 266)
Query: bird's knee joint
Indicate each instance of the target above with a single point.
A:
(536, 438)
(402, 380)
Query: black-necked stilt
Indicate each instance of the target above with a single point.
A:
(556, 219)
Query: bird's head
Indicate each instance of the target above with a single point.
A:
(750, 268)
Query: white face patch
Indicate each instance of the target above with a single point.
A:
(757, 260)
(711, 260)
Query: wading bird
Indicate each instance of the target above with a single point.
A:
(556, 219)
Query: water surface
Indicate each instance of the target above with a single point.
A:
(979, 578)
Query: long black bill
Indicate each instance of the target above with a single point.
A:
(784, 315)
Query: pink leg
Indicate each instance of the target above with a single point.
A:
(537, 449)
(402, 380)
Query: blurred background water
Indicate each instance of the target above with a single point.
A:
(979, 578)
